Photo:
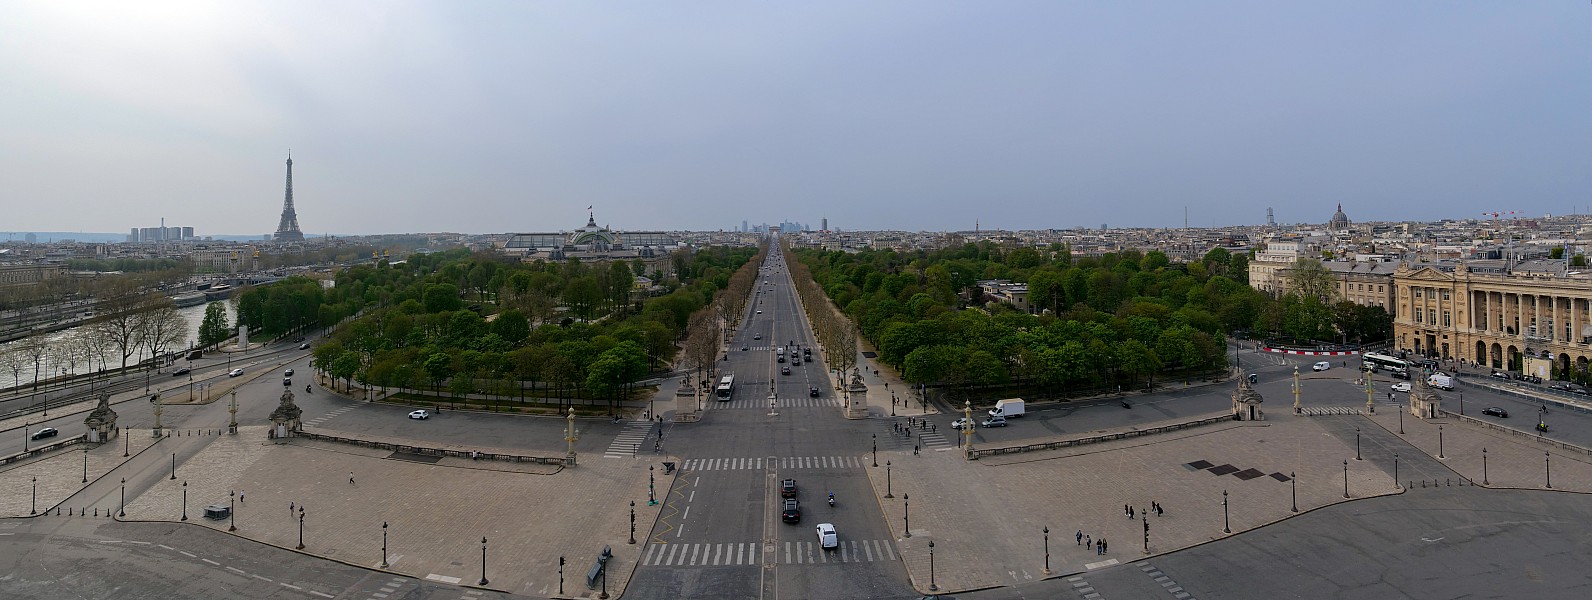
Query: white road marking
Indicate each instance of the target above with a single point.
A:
(1436, 540)
(262, 578)
(165, 546)
(686, 514)
(442, 578)
(214, 563)
(1104, 563)
(321, 594)
(291, 586)
(234, 570)
(187, 554)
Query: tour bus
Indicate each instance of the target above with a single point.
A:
(726, 383)
(1374, 361)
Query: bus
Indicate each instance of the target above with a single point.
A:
(1373, 361)
(726, 385)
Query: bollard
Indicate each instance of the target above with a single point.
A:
(68, 511)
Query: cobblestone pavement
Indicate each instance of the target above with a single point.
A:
(60, 474)
(436, 513)
(986, 517)
(1513, 461)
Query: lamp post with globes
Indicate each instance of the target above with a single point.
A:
(483, 562)
(932, 586)
(1047, 549)
(383, 544)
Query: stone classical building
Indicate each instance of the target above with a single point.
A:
(591, 242)
(1364, 283)
(1495, 314)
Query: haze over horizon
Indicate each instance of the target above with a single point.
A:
(491, 117)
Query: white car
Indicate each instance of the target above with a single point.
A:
(420, 414)
(234, 372)
(959, 423)
(1321, 366)
(1402, 386)
(827, 538)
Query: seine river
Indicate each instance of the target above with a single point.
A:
(192, 314)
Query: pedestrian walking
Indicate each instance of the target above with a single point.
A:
(915, 449)
(1130, 511)
(240, 496)
(1124, 508)
(290, 508)
(1104, 548)
(1080, 533)
(1100, 547)
(934, 428)
(1158, 511)
(350, 478)
(1088, 541)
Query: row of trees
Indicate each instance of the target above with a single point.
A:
(129, 324)
(465, 324)
(1121, 319)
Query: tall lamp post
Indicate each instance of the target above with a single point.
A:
(232, 498)
(121, 510)
(1547, 464)
(483, 562)
(1294, 479)
(932, 586)
(300, 545)
(383, 544)
(906, 513)
(1046, 531)
(632, 521)
(35, 509)
(1356, 443)
(85, 463)
(1226, 528)
(185, 501)
(232, 426)
(875, 450)
(1345, 478)
(887, 490)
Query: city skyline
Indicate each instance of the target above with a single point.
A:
(920, 117)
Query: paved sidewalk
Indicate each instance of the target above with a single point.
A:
(986, 516)
(436, 513)
(60, 475)
(1512, 461)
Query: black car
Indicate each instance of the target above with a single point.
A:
(782, 358)
(784, 370)
(812, 391)
(1495, 411)
(807, 351)
(787, 488)
(287, 373)
(47, 432)
(181, 372)
(792, 512)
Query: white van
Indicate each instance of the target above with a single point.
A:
(1441, 381)
(827, 538)
(1321, 366)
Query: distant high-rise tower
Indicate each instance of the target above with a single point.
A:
(288, 229)
(1270, 220)
(825, 226)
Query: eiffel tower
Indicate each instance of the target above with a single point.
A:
(288, 229)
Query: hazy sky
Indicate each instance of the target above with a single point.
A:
(515, 116)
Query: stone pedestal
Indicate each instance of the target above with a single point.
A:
(1246, 402)
(101, 422)
(856, 397)
(243, 336)
(687, 401)
(285, 419)
(1424, 401)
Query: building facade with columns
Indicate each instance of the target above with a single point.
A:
(1495, 314)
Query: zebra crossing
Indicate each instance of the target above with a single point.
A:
(629, 441)
(316, 422)
(762, 403)
(783, 463)
(750, 553)
(1316, 411)
(923, 438)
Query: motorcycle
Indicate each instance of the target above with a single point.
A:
(307, 389)
(1126, 405)
(831, 500)
(1543, 427)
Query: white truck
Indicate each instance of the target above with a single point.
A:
(1010, 408)
(1441, 381)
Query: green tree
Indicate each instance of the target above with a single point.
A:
(213, 329)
